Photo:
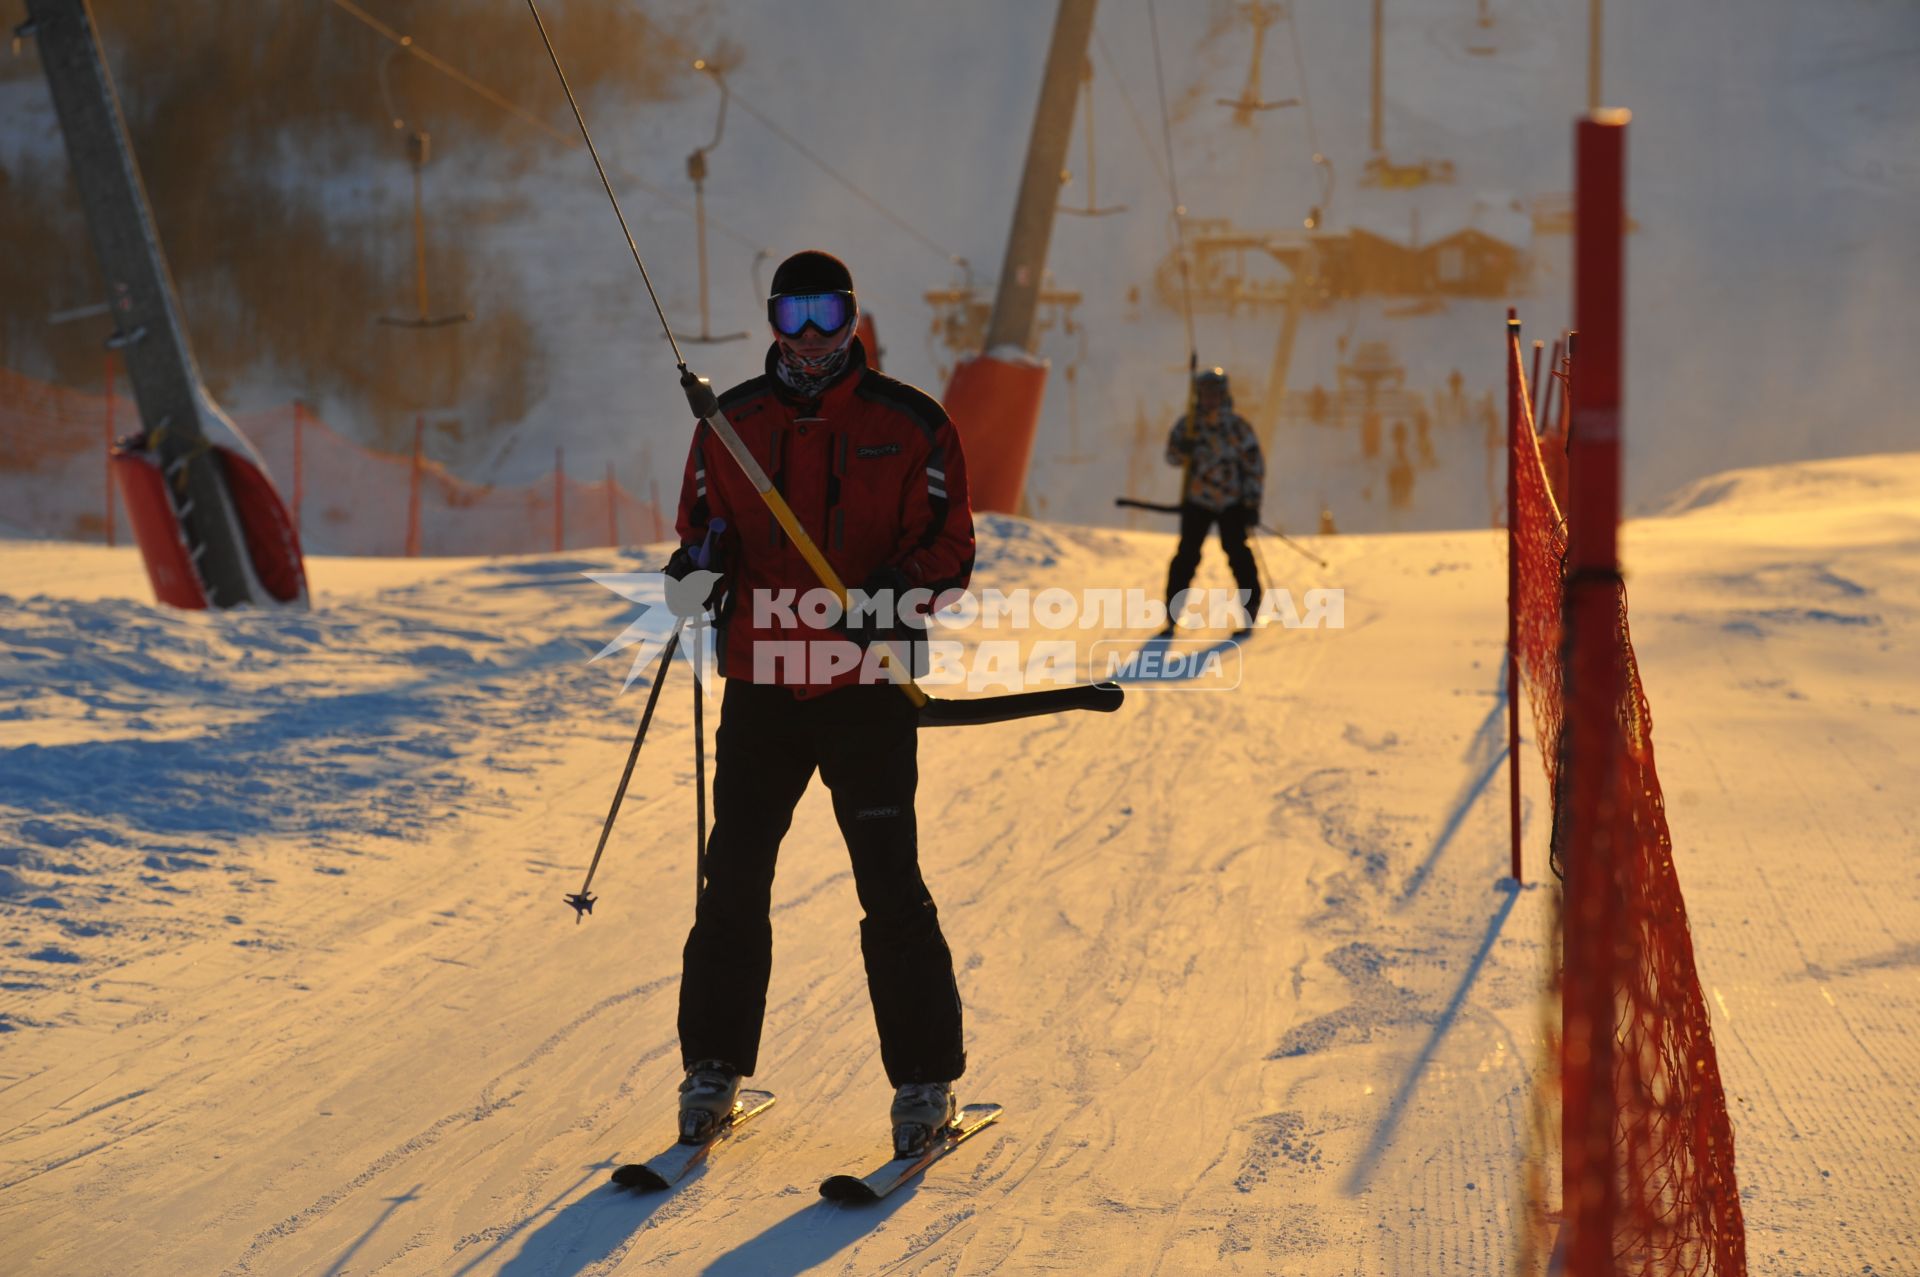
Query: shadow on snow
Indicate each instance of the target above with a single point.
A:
(807, 1238)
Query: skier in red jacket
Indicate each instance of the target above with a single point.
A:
(872, 469)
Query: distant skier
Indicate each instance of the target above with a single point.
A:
(1225, 474)
(873, 470)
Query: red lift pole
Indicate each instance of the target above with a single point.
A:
(994, 397)
(189, 497)
(1595, 679)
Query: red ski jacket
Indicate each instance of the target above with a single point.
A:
(874, 473)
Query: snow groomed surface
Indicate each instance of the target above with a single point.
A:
(287, 985)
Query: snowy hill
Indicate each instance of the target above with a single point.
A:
(1795, 489)
(287, 985)
(1773, 169)
(1803, 198)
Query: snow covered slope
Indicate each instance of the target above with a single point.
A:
(1773, 169)
(287, 984)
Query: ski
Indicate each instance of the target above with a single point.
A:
(674, 1165)
(973, 1119)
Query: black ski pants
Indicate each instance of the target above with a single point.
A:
(863, 740)
(1195, 522)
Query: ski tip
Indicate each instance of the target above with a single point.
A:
(637, 1176)
(847, 1188)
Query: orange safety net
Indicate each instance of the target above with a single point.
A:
(54, 478)
(1539, 540)
(1672, 1138)
(346, 498)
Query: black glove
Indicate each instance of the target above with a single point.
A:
(890, 583)
(681, 563)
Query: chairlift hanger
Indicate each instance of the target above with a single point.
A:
(1485, 22)
(1244, 106)
(1324, 167)
(1262, 15)
(697, 172)
(1086, 111)
(419, 145)
(1380, 169)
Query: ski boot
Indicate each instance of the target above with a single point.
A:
(920, 1110)
(706, 1100)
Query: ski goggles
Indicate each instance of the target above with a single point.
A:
(790, 313)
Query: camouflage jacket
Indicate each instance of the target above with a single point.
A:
(1228, 469)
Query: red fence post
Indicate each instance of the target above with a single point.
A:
(1533, 384)
(413, 487)
(1514, 426)
(559, 498)
(1543, 406)
(613, 508)
(653, 495)
(1566, 397)
(1594, 681)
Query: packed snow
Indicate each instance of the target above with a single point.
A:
(287, 983)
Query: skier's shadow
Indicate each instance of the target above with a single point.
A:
(578, 1237)
(807, 1238)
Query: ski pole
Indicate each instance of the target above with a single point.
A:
(699, 783)
(1129, 503)
(1292, 544)
(582, 900)
(702, 558)
(1266, 573)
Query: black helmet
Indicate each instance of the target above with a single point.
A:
(812, 271)
(1217, 378)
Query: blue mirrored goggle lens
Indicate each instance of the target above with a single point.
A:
(828, 312)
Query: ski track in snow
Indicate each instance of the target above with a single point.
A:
(1240, 965)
